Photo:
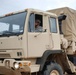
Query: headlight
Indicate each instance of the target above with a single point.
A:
(16, 65)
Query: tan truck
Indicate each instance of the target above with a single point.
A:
(49, 51)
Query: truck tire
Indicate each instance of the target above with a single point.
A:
(53, 69)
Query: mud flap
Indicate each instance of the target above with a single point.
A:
(6, 71)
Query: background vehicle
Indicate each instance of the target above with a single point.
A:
(24, 51)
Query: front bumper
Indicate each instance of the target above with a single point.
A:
(24, 66)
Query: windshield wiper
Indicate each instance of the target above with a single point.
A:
(8, 33)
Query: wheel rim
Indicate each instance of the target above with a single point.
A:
(54, 72)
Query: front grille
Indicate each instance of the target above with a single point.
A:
(5, 56)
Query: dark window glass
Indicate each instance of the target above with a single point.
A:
(12, 24)
(35, 23)
(53, 25)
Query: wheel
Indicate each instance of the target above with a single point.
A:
(53, 69)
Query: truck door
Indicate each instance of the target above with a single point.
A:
(37, 40)
(54, 33)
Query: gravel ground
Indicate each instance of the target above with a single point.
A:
(6, 71)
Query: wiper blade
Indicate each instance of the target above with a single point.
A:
(5, 34)
(8, 33)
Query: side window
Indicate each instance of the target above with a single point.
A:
(38, 23)
(35, 23)
(53, 25)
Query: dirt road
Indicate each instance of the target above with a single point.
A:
(6, 71)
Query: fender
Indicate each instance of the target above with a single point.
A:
(43, 59)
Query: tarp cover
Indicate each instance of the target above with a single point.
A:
(68, 25)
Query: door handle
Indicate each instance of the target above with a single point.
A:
(20, 38)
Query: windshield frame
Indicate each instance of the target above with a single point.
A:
(17, 33)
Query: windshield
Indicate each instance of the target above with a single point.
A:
(12, 25)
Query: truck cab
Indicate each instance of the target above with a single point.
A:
(24, 49)
(18, 38)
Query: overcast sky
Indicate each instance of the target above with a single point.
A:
(7, 6)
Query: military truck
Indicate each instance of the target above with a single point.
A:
(26, 51)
